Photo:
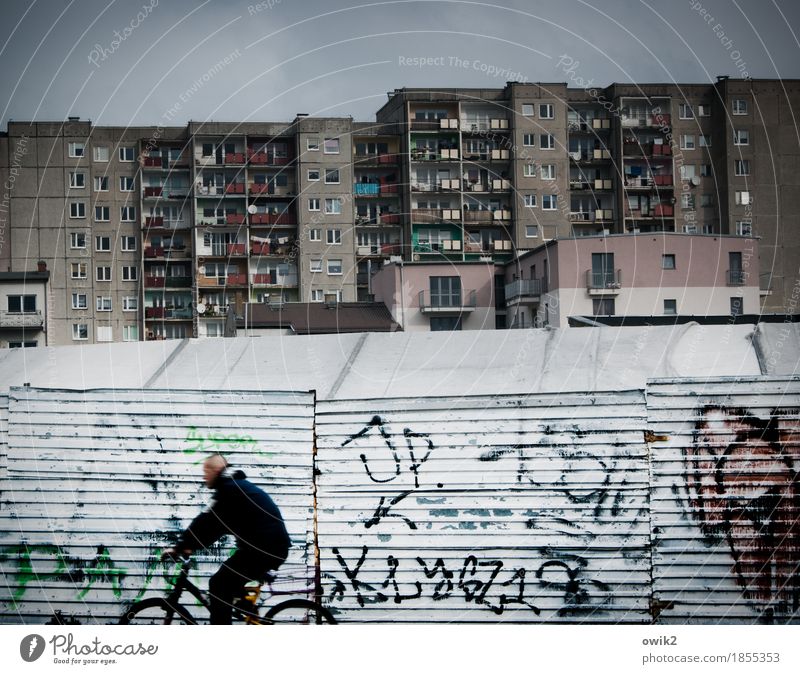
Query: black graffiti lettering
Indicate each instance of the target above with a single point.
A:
(475, 590)
(415, 466)
(392, 562)
(447, 578)
(505, 600)
(352, 575)
(383, 511)
(577, 598)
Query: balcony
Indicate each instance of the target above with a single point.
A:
(597, 215)
(647, 120)
(434, 124)
(152, 192)
(736, 277)
(485, 217)
(442, 154)
(234, 188)
(235, 158)
(160, 252)
(273, 279)
(435, 214)
(449, 303)
(270, 189)
(235, 219)
(267, 158)
(367, 189)
(524, 291)
(606, 282)
(479, 125)
(285, 219)
(151, 162)
(235, 249)
(154, 282)
(27, 319)
(443, 247)
(380, 159)
(178, 282)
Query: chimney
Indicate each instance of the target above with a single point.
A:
(73, 119)
(41, 266)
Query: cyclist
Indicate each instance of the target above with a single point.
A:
(242, 510)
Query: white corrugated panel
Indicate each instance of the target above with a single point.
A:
(502, 508)
(3, 445)
(725, 502)
(100, 481)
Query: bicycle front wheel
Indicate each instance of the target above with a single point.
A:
(156, 611)
(300, 612)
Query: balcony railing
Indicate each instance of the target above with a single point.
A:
(465, 300)
(390, 158)
(523, 289)
(603, 280)
(234, 188)
(435, 214)
(27, 319)
(273, 219)
(180, 313)
(736, 277)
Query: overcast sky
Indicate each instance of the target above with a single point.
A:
(179, 60)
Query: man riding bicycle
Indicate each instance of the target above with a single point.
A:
(242, 510)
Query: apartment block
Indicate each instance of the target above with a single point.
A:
(159, 232)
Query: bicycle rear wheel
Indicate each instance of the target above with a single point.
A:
(156, 611)
(300, 612)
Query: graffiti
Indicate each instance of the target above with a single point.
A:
(742, 478)
(416, 460)
(217, 442)
(102, 568)
(487, 583)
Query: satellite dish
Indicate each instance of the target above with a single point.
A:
(201, 308)
(251, 209)
(695, 181)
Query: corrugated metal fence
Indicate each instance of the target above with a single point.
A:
(679, 505)
(501, 508)
(99, 482)
(725, 500)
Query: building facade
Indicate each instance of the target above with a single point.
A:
(156, 232)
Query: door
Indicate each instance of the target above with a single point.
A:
(602, 269)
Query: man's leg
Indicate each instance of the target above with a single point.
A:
(226, 584)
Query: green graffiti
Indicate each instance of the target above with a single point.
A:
(23, 555)
(154, 562)
(102, 568)
(217, 442)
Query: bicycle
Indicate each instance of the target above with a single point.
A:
(166, 610)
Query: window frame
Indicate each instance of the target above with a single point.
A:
(72, 180)
(76, 333)
(123, 153)
(332, 262)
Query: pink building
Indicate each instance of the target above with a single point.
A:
(648, 275)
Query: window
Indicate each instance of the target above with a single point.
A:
(128, 243)
(77, 180)
(22, 345)
(527, 109)
(79, 301)
(333, 206)
(127, 213)
(22, 304)
(685, 111)
(207, 149)
(104, 304)
(101, 153)
(531, 231)
(687, 171)
(77, 209)
(312, 143)
(80, 331)
(77, 240)
(687, 201)
(705, 140)
(704, 110)
(548, 172)
(331, 176)
(126, 184)
(687, 142)
(315, 234)
(101, 183)
(741, 167)
(130, 273)
(743, 198)
(668, 261)
(105, 333)
(130, 303)
(103, 273)
(334, 236)
(313, 204)
(313, 175)
(102, 244)
(741, 137)
(705, 170)
(317, 295)
(102, 213)
(130, 333)
(530, 200)
(331, 146)
(670, 307)
(126, 154)
(529, 139)
(445, 291)
(445, 323)
(549, 202)
(78, 270)
(744, 227)
(547, 141)
(529, 170)
(603, 306)
(737, 306)
(546, 111)
(334, 267)
(77, 149)
(706, 200)
(739, 106)
(316, 266)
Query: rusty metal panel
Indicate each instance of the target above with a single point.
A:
(3, 443)
(501, 508)
(100, 481)
(725, 502)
